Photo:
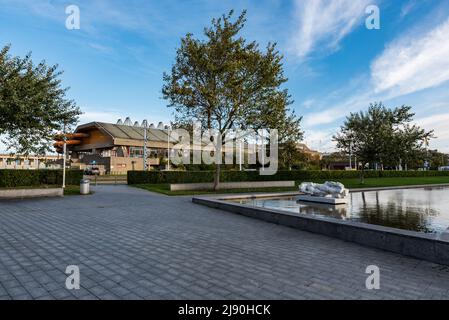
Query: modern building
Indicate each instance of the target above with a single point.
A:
(117, 148)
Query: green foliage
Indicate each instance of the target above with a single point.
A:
(32, 103)
(382, 136)
(34, 178)
(165, 177)
(436, 159)
(224, 82)
(332, 158)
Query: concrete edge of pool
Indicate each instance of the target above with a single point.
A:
(429, 247)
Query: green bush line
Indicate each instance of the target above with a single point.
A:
(33, 178)
(164, 177)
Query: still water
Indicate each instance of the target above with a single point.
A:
(424, 210)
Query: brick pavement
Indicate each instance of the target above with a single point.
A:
(133, 244)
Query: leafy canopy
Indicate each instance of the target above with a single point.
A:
(33, 104)
(381, 135)
(225, 82)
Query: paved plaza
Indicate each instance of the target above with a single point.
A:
(133, 244)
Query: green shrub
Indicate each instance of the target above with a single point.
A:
(157, 177)
(35, 178)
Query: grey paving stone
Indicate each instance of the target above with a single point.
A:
(133, 244)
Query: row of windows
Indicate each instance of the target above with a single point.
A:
(137, 152)
(18, 162)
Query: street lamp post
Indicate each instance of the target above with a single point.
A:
(168, 148)
(64, 151)
(145, 140)
(350, 154)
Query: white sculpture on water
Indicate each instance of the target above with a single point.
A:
(328, 190)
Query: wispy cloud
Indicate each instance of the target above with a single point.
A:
(412, 63)
(408, 7)
(438, 123)
(408, 65)
(320, 140)
(101, 116)
(322, 24)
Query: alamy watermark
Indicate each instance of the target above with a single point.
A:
(72, 281)
(225, 147)
(372, 22)
(373, 280)
(73, 21)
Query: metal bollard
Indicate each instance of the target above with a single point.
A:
(84, 186)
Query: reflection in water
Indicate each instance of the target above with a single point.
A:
(424, 210)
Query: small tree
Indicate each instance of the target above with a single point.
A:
(225, 83)
(32, 104)
(381, 136)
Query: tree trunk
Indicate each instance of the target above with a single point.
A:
(217, 177)
(218, 159)
(362, 174)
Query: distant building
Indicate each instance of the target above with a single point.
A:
(31, 162)
(117, 148)
(311, 155)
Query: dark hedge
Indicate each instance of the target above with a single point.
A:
(163, 177)
(35, 178)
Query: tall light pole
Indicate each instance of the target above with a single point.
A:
(145, 140)
(263, 151)
(168, 148)
(350, 154)
(240, 155)
(64, 151)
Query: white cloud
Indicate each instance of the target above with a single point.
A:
(100, 48)
(322, 24)
(438, 123)
(320, 140)
(408, 7)
(3, 148)
(323, 117)
(413, 63)
(406, 66)
(336, 108)
(308, 103)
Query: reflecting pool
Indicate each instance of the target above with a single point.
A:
(423, 210)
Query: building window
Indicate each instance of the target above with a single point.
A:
(136, 152)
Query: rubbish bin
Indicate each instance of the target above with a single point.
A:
(84, 186)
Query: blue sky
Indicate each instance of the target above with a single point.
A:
(335, 65)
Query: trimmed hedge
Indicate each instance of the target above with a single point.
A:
(35, 178)
(164, 177)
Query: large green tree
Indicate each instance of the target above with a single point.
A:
(33, 104)
(382, 136)
(224, 82)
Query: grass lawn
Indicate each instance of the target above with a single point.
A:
(349, 183)
(73, 191)
(392, 182)
(165, 189)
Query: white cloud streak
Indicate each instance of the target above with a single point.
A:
(101, 116)
(322, 24)
(438, 123)
(413, 63)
